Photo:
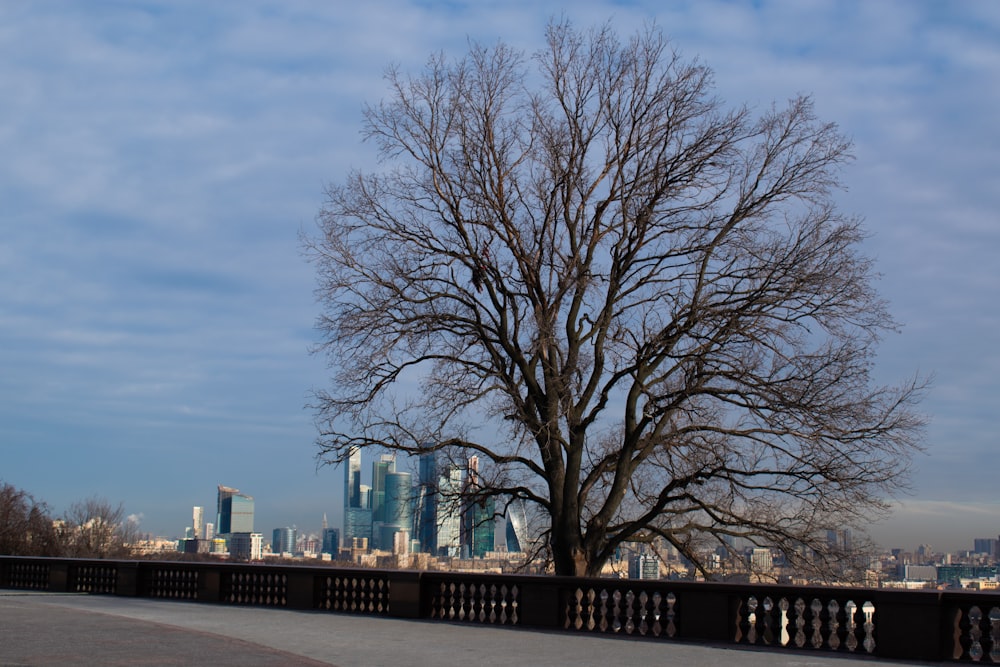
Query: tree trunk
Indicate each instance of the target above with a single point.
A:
(568, 554)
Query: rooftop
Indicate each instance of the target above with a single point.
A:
(47, 629)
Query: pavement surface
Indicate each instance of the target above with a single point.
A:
(44, 629)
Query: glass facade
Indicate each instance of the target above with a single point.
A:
(235, 511)
(240, 513)
(283, 540)
(398, 509)
(331, 541)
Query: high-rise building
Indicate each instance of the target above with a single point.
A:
(235, 512)
(397, 509)
(357, 513)
(209, 531)
(225, 492)
(449, 511)
(384, 466)
(517, 527)
(839, 541)
(357, 524)
(478, 515)
(425, 528)
(985, 545)
(352, 479)
(283, 540)
(197, 514)
(357, 510)
(331, 541)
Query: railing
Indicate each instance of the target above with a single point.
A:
(879, 623)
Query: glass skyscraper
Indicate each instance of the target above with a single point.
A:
(235, 511)
(399, 500)
(478, 516)
(331, 541)
(426, 504)
(283, 540)
(352, 479)
(380, 468)
(449, 513)
(357, 516)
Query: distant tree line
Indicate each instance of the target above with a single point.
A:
(91, 528)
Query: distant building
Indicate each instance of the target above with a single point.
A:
(839, 541)
(401, 543)
(194, 546)
(224, 492)
(761, 559)
(283, 540)
(246, 546)
(478, 516)
(986, 546)
(308, 545)
(643, 566)
(357, 513)
(331, 541)
(926, 573)
(197, 514)
(357, 524)
(425, 519)
(517, 527)
(352, 479)
(235, 511)
(448, 540)
(398, 503)
(380, 469)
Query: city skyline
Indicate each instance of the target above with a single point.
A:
(163, 160)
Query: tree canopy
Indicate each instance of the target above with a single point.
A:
(639, 307)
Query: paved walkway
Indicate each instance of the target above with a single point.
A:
(45, 629)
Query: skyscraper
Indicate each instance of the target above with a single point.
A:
(235, 511)
(399, 499)
(197, 515)
(283, 540)
(449, 511)
(352, 479)
(357, 514)
(425, 528)
(397, 508)
(517, 527)
(224, 493)
(380, 468)
(376, 496)
(478, 515)
(331, 541)
(357, 523)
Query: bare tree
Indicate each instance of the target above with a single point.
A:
(26, 527)
(94, 528)
(640, 308)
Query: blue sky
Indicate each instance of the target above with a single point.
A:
(160, 159)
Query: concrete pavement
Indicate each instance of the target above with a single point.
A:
(45, 629)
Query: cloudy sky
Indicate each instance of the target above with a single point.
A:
(159, 160)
